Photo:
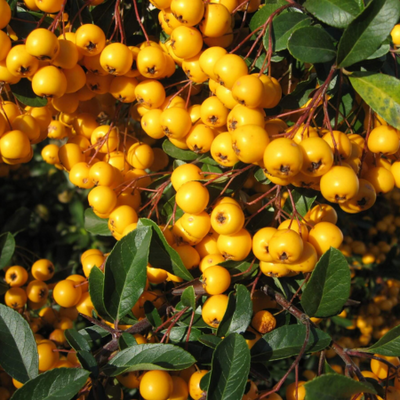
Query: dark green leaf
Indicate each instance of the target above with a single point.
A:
(18, 221)
(344, 322)
(388, 345)
(287, 341)
(94, 332)
(24, 93)
(126, 340)
(152, 314)
(168, 209)
(7, 247)
(210, 340)
(95, 224)
(103, 15)
(311, 44)
(162, 255)
(238, 314)
(125, 272)
(260, 176)
(76, 340)
(188, 297)
(179, 334)
(149, 357)
(283, 26)
(329, 369)
(88, 362)
(230, 368)
(367, 32)
(237, 267)
(18, 350)
(23, 29)
(329, 286)
(381, 92)
(205, 381)
(177, 153)
(340, 387)
(302, 202)
(337, 13)
(96, 290)
(261, 16)
(56, 384)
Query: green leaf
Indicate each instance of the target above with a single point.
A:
(56, 384)
(367, 32)
(95, 224)
(18, 222)
(237, 267)
(287, 341)
(388, 345)
(149, 357)
(337, 13)
(94, 332)
(311, 44)
(260, 176)
(125, 272)
(340, 388)
(210, 340)
(230, 368)
(76, 340)
(344, 322)
(282, 27)
(329, 369)
(177, 153)
(329, 286)
(24, 93)
(96, 291)
(88, 362)
(152, 314)
(238, 313)
(188, 298)
(162, 255)
(126, 340)
(381, 92)
(302, 202)
(168, 209)
(261, 16)
(179, 334)
(18, 350)
(7, 247)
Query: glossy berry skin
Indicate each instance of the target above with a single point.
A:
(192, 197)
(16, 276)
(227, 219)
(235, 247)
(47, 357)
(216, 280)
(285, 246)
(194, 384)
(263, 321)
(325, 235)
(42, 44)
(156, 385)
(66, 293)
(214, 309)
(15, 297)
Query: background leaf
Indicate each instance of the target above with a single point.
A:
(381, 92)
(388, 345)
(311, 45)
(367, 32)
(56, 384)
(7, 247)
(188, 298)
(283, 26)
(329, 286)
(287, 341)
(261, 16)
(340, 387)
(95, 224)
(76, 340)
(125, 272)
(303, 201)
(162, 255)
(18, 350)
(337, 13)
(238, 314)
(177, 153)
(18, 222)
(96, 291)
(24, 93)
(230, 368)
(149, 357)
